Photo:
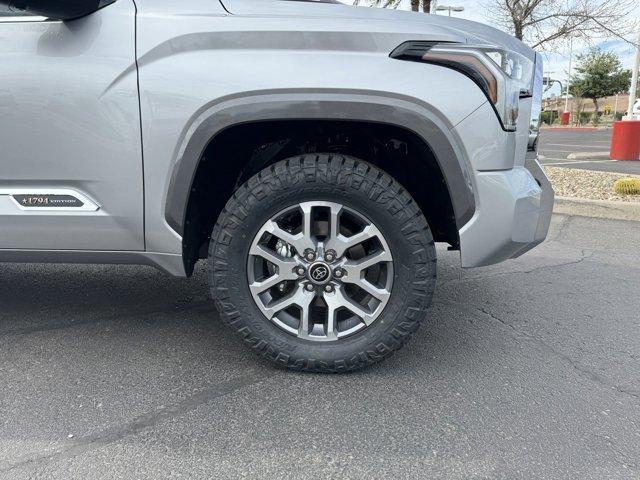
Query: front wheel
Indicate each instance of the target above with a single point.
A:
(322, 263)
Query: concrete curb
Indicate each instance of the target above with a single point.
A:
(588, 155)
(597, 208)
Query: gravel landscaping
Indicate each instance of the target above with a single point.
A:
(587, 184)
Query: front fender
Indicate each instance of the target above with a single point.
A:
(202, 71)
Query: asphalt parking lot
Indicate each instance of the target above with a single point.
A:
(556, 144)
(528, 369)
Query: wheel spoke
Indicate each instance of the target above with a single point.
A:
(300, 241)
(334, 222)
(341, 244)
(259, 287)
(381, 294)
(355, 268)
(333, 305)
(273, 280)
(305, 311)
(306, 221)
(283, 264)
(298, 297)
(340, 300)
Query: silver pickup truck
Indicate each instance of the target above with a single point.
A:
(311, 152)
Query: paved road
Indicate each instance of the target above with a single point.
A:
(556, 144)
(530, 369)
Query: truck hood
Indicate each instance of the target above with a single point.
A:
(434, 27)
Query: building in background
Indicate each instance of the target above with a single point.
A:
(610, 108)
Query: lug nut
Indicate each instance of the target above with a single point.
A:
(300, 271)
(328, 288)
(309, 287)
(330, 255)
(310, 255)
(338, 273)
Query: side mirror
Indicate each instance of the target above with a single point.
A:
(58, 9)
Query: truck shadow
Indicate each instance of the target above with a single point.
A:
(79, 300)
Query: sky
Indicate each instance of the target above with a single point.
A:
(556, 61)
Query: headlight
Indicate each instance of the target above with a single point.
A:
(503, 76)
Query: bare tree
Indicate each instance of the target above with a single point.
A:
(540, 22)
(416, 5)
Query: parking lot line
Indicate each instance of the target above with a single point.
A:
(574, 162)
(573, 145)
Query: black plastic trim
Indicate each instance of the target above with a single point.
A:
(455, 172)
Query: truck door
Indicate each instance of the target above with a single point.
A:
(71, 172)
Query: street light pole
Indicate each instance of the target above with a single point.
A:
(634, 79)
(566, 116)
(566, 93)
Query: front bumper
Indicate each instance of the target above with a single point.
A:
(513, 213)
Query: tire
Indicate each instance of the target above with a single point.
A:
(361, 189)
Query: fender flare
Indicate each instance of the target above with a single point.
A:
(376, 107)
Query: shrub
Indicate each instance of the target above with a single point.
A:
(584, 118)
(546, 117)
(627, 186)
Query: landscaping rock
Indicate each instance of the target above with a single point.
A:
(587, 184)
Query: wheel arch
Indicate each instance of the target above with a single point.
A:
(213, 140)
